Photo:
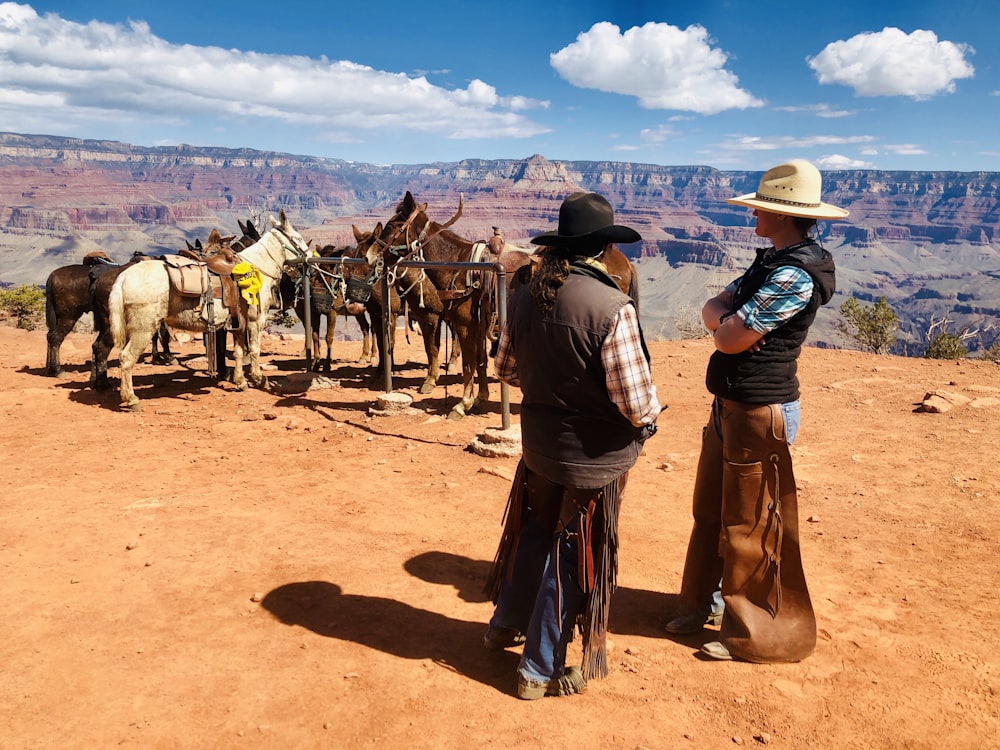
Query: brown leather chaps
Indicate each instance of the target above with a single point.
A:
(746, 531)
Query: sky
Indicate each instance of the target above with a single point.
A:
(731, 84)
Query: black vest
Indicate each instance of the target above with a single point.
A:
(571, 431)
(768, 376)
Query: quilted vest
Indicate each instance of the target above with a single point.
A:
(769, 376)
(571, 432)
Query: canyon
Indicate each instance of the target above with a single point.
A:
(926, 241)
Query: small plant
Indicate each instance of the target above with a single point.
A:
(992, 353)
(26, 304)
(943, 344)
(284, 319)
(872, 326)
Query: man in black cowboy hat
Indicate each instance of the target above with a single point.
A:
(574, 346)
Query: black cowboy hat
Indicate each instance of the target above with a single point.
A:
(586, 220)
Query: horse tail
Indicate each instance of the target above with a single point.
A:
(116, 313)
(633, 286)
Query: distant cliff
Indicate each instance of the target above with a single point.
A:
(925, 240)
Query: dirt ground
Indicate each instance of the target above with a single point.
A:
(282, 569)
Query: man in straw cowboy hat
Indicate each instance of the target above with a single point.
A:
(746, 529)
(573, 344)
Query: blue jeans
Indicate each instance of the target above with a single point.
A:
(534, 603)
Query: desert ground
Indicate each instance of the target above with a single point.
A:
(286, 569)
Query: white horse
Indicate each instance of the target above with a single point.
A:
(142, 297)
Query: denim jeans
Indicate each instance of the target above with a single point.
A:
(535, 604)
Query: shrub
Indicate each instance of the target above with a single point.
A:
(992, 353)
(26, 303)
(946, 346)
(872, 326)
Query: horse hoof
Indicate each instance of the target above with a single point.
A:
(457, 413)
(427, 388)
(135, 408)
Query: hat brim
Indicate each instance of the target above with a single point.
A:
(821, 211)
(615, 233)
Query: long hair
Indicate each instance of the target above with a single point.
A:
(552, 272)
(805, 224)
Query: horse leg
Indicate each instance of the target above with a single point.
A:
(430, 329)
(366, 338)
(252, 344)
(473, 348)
(137, 341)
(331, 327)
(54, 338)
(316, 323)
(99, 369)
(162, 338)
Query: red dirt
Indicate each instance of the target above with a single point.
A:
(255, 569)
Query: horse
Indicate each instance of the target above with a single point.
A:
(69, 293)
(143, 296)
(327, 298)
(100, 293)
(521, 263)
(435, 296)
(619, 268)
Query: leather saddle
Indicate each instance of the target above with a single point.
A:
(197, 272)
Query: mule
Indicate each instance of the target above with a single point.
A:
(100, 293)
(462, 299)
(142, 297)
(327, 299)
(69, 295)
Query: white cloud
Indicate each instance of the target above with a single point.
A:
(820, 110)
(657, 134)
(50, 67)
(905, 149)
(757, 143)
(663, 66)
(893, 63)
(837, 161)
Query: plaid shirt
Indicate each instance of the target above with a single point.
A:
(627, 374)
(786, 290)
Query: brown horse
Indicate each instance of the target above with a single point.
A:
(69, 293)
(460, 298)
(327, 299)
(619, 268)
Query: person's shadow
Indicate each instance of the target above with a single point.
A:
(394, 628)
(412, 633)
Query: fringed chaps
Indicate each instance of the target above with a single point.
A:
(592, 516)
(746, 530)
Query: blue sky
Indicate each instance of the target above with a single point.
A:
(732, 84)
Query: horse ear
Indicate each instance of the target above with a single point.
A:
(357, 232)
(214, 237)
(186, 242)
(198, 245)
(408, 202)
(243, 227)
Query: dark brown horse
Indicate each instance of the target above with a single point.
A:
(69, 294)
(460, 298)
(327, 299)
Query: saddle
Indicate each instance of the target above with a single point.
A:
(481, 253)
(194, 272)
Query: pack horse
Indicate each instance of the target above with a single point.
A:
(144, 295)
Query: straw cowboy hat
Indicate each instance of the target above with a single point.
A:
(586, 221)
(793, 189)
